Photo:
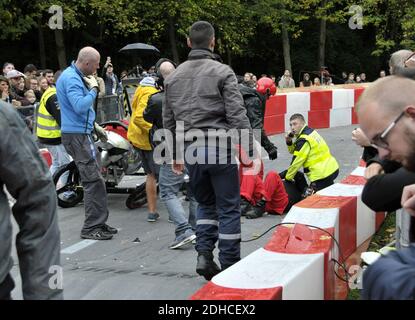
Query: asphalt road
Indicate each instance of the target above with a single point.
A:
(137, 263)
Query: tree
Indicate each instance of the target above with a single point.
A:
(393, 21)
(284, 17)
(333, 12)
(16, 18)
(234, 24)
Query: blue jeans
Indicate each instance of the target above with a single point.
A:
(60, 158)
(170, 184)
(216, 189)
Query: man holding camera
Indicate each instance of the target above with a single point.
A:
(310, 151)
(77, 90)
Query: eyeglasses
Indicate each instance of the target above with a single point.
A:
(379, 140)
(409, 59)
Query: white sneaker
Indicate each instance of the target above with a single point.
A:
(182, 240)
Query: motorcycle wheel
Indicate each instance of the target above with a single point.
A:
(73, 183)
(138, 198)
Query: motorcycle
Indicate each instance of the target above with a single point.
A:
(118, 159)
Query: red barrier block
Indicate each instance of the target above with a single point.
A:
(46, 156)
(357, 93)
(319, 119)
(321, 100)
(380, 216)
(274, 124)
(355, 120)
(211, 291)
(359, 180)
(347, 218)
(276, 105)
(302, 239)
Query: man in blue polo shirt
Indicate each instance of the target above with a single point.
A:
(77, 90)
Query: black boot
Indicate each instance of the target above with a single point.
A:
(259, 210)
(245, 206)
(206, 267)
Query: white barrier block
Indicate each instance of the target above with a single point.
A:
(298, 102)
(323, 218)
(341, 190)
(343, 98)
(359, 171)
(366, 222)
(340, 117)
(301, 276)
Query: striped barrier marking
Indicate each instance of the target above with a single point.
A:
(324, 218)
(321, 109)
(300, 239)
(264, 269)
(302, 255)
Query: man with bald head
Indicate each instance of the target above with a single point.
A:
(77, 90)
(386, 112)
(170, 183)
(387, 118)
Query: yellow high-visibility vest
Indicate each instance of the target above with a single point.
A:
(314, 156)
(47, 127)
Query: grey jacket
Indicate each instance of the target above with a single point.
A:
(204, 94)
(27, 178)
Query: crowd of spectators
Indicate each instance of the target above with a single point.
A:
(24, 89)
(311, 79)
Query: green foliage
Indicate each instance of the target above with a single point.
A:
(15, 18)
(394, 22)
(382, 237)
(248, 31)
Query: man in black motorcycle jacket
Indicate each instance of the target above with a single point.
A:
(255, 110)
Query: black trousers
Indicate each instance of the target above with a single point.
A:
(297, 188)
(216, 189)
(300, 182)
(6, 288)
(324, 183)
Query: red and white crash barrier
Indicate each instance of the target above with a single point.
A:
(298, 261)
(321, 109)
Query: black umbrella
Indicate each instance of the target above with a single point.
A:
(140, 47)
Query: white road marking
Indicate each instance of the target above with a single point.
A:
(78, 246)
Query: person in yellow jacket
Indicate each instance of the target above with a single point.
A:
(311, 152)
(139, 136)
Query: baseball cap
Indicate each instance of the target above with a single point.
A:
(14, 74)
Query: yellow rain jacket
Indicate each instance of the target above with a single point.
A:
(138, 129)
